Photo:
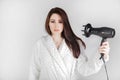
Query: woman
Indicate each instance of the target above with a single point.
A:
(60, 55)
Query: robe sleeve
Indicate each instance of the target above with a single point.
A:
(88, 67)
(35, 63)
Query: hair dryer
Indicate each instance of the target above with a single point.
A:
(103, 32)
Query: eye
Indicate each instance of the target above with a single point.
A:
(60, 21)
(52, 21)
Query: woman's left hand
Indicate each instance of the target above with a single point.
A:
(104, 49)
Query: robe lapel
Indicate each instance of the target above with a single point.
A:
(54, 53)
(65, 49)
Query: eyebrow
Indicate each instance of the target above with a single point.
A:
(52, 19)
(59, 19)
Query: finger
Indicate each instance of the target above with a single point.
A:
(105, 43)
(104, 51)
(105, 47)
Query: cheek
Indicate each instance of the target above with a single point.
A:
(51, 27)
(61, 28)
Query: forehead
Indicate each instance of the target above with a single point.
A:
(55, 16)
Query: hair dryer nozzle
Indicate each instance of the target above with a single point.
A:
(87, 30)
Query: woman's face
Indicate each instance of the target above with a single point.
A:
(56, 24)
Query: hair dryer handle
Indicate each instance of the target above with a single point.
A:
(103, 40)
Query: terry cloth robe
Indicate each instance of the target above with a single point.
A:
(50, 63)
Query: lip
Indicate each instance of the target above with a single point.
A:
(56, 29)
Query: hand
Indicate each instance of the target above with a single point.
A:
(104, 49)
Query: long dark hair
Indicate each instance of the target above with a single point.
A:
(70, 38)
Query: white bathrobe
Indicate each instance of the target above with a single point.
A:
(50, 63)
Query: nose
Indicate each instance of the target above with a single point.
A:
(56, 25)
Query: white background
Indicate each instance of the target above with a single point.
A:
(22, 24)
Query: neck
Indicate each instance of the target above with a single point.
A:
(57, 39)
